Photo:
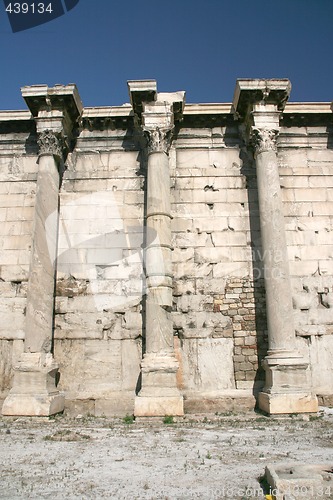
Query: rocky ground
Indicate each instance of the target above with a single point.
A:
(204, 457)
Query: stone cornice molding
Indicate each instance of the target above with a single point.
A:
(56, 111)
(264, 139)
(59, 97)
(51, 143)
(249, 92)
(258, 104)
(155, 114)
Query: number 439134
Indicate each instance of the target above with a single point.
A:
(29, 8)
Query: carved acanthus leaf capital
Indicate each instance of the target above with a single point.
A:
(264, 139)
(51, 143)
(159, 140)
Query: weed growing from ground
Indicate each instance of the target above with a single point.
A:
(168, 420)
(129, 419)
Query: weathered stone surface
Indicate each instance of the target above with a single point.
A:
(34, 392)
(237, 401)
(207, 365)
(295, 481)
(288, 403)
(115, 405)
(10, 353)
(158, 406)
(89, 372)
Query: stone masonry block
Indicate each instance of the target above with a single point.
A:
(323, 208)
(212, 255)
(209, 224)
(132, 321)
(229, 238)
(313, 194)
(315, 181)
(235, 269)
(299, 268)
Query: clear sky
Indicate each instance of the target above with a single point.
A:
(200, 46)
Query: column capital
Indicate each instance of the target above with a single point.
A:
(159, 140)
(51, 143)
(263, 139)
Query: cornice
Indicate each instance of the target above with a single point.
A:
(304, 111)
(108, 111)
(16, 115)
(308, 107)
(64, 97)
(206, 109)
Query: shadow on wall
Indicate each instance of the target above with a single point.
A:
(134, 139)
(260, 323)
(330, 137)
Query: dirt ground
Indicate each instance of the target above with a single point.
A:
(204, 457)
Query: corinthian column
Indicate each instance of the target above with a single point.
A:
(273, 237)
(34, 389)
(287, 389)
(159, 394)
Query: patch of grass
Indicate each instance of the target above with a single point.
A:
(315, 417)
(129, 419)
(168, 420)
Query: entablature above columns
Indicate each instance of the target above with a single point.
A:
(249, 92)
(59, 108)
(258, 105)
(156, 113)
(62, 97)
(56, 111)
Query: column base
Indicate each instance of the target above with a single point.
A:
(287, 387)
(279, 404)
(159, 395)
(158, 406)
(34, 392)
(39, 405)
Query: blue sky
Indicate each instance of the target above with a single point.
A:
(200, 46)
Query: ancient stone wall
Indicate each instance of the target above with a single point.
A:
(307, 190)
(17, 186)
(219, 310)
(98, 321)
